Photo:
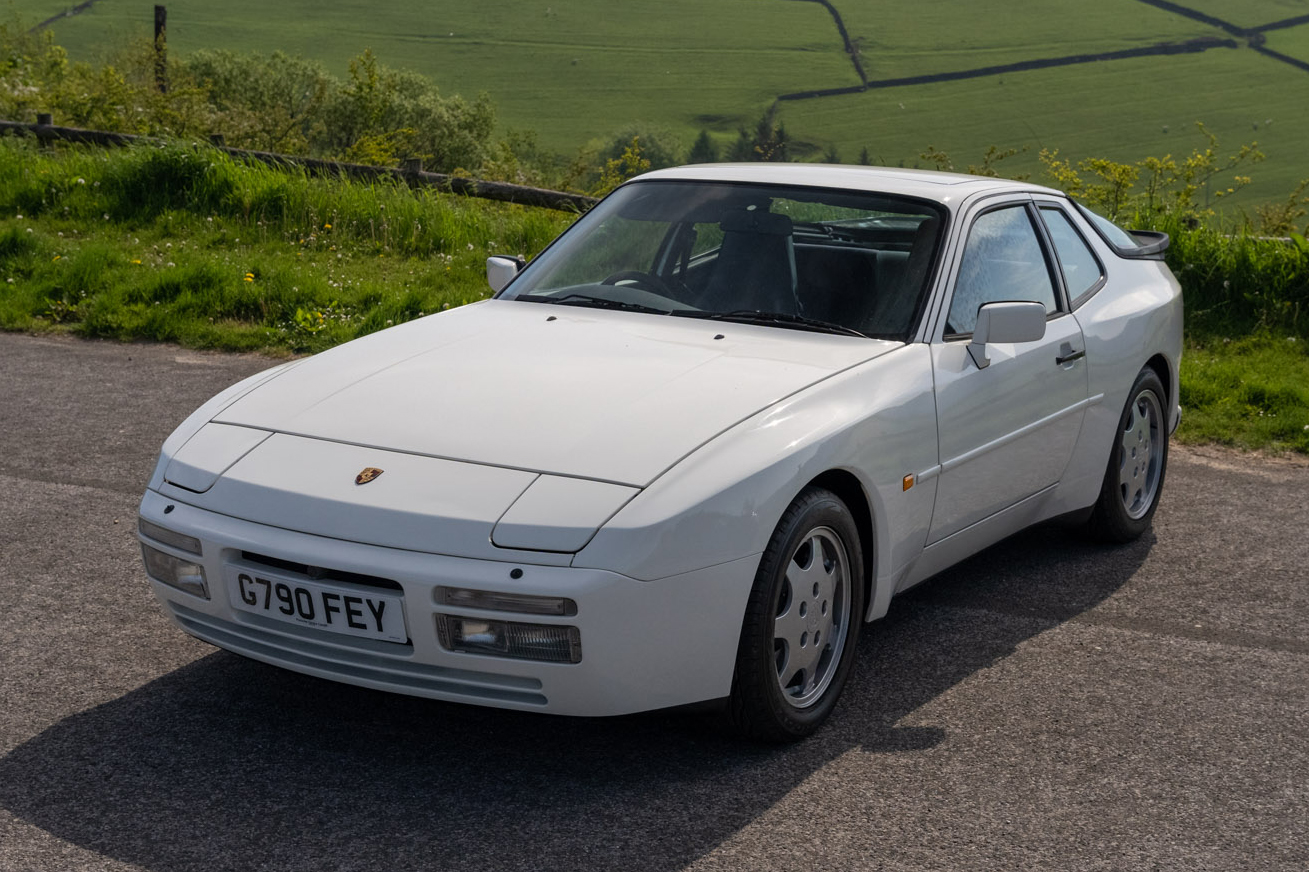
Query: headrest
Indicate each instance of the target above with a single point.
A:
(755, 221)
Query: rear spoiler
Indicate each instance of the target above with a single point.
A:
(1145, 244)
(1152, 245)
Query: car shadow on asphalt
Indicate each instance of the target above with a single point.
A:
(230, 764)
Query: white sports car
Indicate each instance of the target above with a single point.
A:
(685, 453)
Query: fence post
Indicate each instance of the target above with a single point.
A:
(161, 49)
(217, 140)
(45, 118)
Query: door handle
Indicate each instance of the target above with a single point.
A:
(1068, 355)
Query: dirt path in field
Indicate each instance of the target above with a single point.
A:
(1253, 38)
(67, 13)
(850, 48)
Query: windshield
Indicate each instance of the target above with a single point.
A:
(802, 258)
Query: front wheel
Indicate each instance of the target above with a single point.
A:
(1138, 460)
(801, 622)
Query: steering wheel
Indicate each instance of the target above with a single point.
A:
(649, 281)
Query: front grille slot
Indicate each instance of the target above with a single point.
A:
(319, 573)
(302, 653)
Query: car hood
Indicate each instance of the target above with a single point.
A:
(598, 394)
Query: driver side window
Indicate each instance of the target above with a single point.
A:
(1002, 261)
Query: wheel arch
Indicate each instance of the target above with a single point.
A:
(1161, 368)
(848, 488)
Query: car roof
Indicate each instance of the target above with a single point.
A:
(945, 188)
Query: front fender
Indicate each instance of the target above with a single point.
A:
(876, 421)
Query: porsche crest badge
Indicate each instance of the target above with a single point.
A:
(369, 473)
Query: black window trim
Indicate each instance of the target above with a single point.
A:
(1153, 243)
(1047, 251)
(1073, 304)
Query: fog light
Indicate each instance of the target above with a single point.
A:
(523, 603)
(175, 572)
(168, 537)
(548, 642)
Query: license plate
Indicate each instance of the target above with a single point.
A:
(351, 611)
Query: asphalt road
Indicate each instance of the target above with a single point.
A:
(1047, 705)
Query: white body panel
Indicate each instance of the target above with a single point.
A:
(569, 391)
(638, 464)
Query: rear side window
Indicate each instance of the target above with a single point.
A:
(1082, 272)
(1002, 262)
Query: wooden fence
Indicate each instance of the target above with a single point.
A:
(411, 174)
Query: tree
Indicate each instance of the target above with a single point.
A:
(831, 156)
(270, 103)
(864, 159)
(619, 169)
(743, 149)
(705, 150)
(659, 146)
(389, 115)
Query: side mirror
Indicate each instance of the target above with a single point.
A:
(501, 270)
(1005, 322)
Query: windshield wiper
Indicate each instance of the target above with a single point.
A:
(781, 319)
(576, 299)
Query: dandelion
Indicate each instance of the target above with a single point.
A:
(138, 260)
(106, 216)
(81, 181)
(56, 257)
(327, 226)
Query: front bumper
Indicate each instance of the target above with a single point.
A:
(645, 644)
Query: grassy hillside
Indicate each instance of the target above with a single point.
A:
(1121, 110)
(575, 70)
(570, 70)
(1293, 41)
(1247, 13)
(909, 39)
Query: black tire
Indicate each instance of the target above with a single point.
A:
(782, 636)
(1138, 461)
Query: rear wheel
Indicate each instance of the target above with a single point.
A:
(1134, 478)
(801, 622)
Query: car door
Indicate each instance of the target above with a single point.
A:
(1006, 431)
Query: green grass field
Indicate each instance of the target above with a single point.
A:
(1123, 110)
(1247, 13)
(1293, 41)
(908, 39)
(571, 71)
(581, 69)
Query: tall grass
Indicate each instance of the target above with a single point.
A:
(1240, 283)
(182, 243)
